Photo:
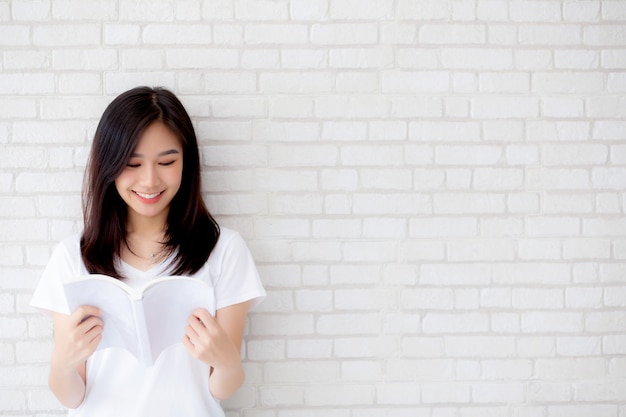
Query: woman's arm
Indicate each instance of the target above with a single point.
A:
(217, 341)
(76, 337)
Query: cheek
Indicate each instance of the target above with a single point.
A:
(121, 183)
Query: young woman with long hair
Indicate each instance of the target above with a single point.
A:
(144, 218)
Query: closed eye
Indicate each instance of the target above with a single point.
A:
(167, 163)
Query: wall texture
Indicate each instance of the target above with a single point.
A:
(434, 191)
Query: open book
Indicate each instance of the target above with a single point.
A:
(143, 321)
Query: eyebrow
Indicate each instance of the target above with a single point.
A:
(164, 153)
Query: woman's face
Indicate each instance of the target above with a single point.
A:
(153, 174)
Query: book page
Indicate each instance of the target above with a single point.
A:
(168, 305)
(116, 307)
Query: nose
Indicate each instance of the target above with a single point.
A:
(149, 175)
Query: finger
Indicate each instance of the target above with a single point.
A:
(83, 312)
(204, 316)
(90, 323)
(197, 326)
(190, 331)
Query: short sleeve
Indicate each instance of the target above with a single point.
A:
(62, 266)
(238, 279)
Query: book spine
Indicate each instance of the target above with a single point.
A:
(143, 341)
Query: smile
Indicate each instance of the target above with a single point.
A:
(148, 196)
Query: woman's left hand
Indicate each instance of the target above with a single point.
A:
(207, 341)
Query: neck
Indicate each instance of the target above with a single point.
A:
(145, 226)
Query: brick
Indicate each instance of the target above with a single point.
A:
(576, 60)
(455, 323)
(260, 10)
(188, 34)
(509, 392)
(609, 130)
(364, 299)
(477, 58)
(419, 59)
(505, 108)
(567, 82)
(398, 394)
(468, 203)
(427, 299)
(83, 10)
(552, 322)
(384, 228)
(314, 300)
(201, 58)
(348, 324)
(337, 228)
(536, 273)
(85, 59)
(26, 60)
(446, 392)
(452, 34)
(159, 11)
(357, 82)
(351, 107)
(608, 178)
(294, 324)
(369, 251)
(562, 107)
(308, 9)
(121, 34)
(536, 299)
(344, 34)
(558, 35)
(581, 410)
(361, 58)
(67, 35)
(302, 205)
(354, 274)
(422, 10)
(492, 10)
(492, 179)
(79, 83)
(391, 204)
(344, 179)
(272, 34)
(295, 82)
(398, 33)
(291, 107)
(604, 35)
(303, 156)
(396, 82)
(581, 11)
(26, 84)
(339, 395)
(282, 397)
(22, 157)
(537, 11)
(117, 83)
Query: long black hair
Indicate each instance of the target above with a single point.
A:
(191, 232)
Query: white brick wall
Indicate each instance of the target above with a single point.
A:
(434, 191)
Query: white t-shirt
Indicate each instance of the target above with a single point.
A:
(177, 384)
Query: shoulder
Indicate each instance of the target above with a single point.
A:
(228, 241)
(67, 253)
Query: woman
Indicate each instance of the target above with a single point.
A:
(144, 218)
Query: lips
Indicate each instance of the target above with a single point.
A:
(148, 197)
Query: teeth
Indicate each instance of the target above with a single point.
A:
(142, 195)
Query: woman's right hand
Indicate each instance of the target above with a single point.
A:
(76, 336)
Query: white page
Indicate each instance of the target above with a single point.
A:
(168, 305)
(116, 307)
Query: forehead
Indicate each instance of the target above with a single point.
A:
(157, 138)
